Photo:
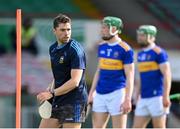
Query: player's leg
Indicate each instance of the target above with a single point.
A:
(141, 121)
(119, 121)
(100, 119)
(158, 112)
(77, 117)
(100, 114)
(114, 102)
(142, 116)
(49, 123)
(72, 125)
(159, 122)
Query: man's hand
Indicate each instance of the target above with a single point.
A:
(166, 101)
(126, 106)
(43, 96)
(90, 98)
(135, 100)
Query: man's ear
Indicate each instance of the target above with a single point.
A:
(114, 29)
(147, 38)
(54, 31)
(150, 38)
(153, 38)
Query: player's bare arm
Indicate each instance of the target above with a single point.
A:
(137, 90)
(76, 75)
(166, 71)
(93, 86)
(129, 72)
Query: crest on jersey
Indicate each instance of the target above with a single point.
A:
(61, 60)
(102, 52)
(148, 57)
(116, 54)
(142, 57)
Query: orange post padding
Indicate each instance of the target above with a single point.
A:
(18, 68)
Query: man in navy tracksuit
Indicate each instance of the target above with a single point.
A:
(68, 64)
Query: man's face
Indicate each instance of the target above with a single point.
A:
(144, 40)
(105, 32)
(141, 38)
(63, 32)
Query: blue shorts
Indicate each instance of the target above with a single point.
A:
(69, 113)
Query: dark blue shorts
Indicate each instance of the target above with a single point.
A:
(69, 113)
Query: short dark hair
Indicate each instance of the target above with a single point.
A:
(61, 18)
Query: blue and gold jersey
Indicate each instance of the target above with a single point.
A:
(112, 58)
(150, 74)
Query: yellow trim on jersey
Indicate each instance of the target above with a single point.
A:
(147, 66)
(110, 64)
(124, 46)
(157, 49)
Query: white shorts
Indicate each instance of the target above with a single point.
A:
(151, 107)
(110, 102)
